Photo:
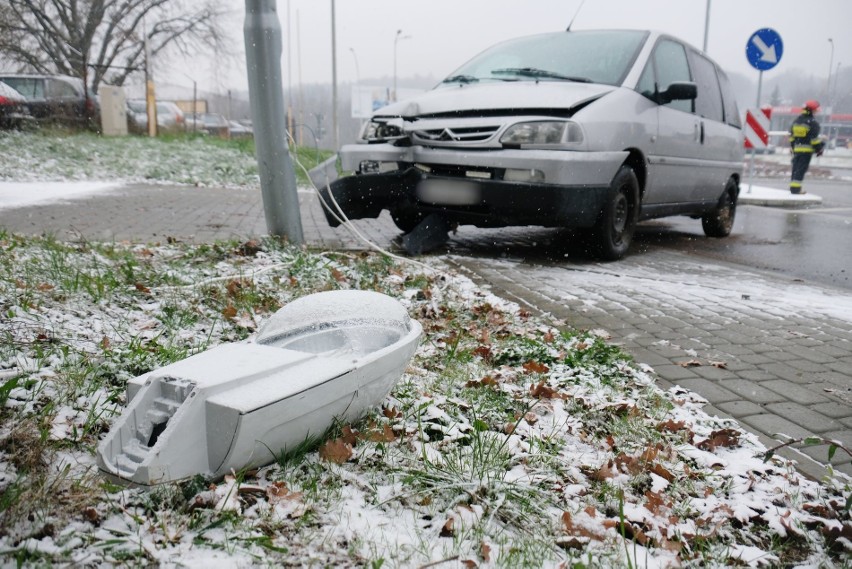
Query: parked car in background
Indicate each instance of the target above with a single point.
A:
(239, 130)
(57, 99)
(592, 130)
(208, 123)
(13, 108)
(169, 117)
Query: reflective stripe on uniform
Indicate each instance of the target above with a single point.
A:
(800, 130)
(800, 149)
(795, 185)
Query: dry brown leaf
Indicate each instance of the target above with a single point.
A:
(720, 365)
(91, 515)
(721, 438)
(486, 381)
(662, 472)
(381, 435)
(531, 418)
(483, 352)
(229, 312)
(542, 391)
(447, 530)
(348, 435)
(469, 563)
(582, 346)
(485, 551)
(336, 451)
(690, 363)
(391, 412)
(549, 337)
(671, 426)
(338, 276)
(44, 287)
(105, 343)
(535, 367)
(142, 288)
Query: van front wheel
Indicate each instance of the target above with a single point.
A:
(619, 216)
(720, 221)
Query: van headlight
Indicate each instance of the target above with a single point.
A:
(543, 133)
(382, 130)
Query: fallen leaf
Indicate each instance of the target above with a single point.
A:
(531, 418)
(104, 343)
(447, 530)
(381, 435)
(535, 367)
(549, 337)
(721, 438)
(661, 471)
(485, 551)
(91, 515)
(391, 412)
(348, 435)
(44, 287)
(486, 381)
(483, 352)
(336, 451)
(690, 363)
(142, 288)
(469, 563)
(542, 391)
(229, 312)
(671, 426)
(338, 276)
(720, 365)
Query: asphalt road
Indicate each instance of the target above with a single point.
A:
(812, 245)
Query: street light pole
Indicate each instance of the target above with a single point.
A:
(706, 25)
(830, 65)
(395, 42)
(357, 98)
(335, 134)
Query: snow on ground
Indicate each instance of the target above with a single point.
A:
(22, 194)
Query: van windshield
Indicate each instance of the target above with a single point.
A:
(586, 56)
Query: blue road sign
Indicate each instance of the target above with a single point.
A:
(764, 49)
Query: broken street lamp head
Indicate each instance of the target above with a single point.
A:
(324, 357)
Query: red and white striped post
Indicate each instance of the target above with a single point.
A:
(756, 134)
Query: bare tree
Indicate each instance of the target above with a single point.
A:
(103, 41)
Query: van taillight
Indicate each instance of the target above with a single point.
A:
(5, 100)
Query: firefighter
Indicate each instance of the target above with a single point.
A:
(804, 143)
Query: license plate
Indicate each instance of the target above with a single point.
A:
(448, 192)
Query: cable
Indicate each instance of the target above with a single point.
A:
(347, 223)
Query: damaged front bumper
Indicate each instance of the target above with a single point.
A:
(492, 188)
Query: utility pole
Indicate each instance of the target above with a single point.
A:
(262, 32)
(335, 134)
(706, 26)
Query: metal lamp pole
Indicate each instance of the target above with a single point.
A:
(262, 32)
(395, 42)
(706, 25)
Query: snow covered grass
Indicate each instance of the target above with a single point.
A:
(506, 443)
(61, 155)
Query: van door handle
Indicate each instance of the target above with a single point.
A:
(702, 132)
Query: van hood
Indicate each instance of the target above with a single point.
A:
(476, 99)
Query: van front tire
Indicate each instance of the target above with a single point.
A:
(619, 216)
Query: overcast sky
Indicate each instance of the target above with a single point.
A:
(440, 35)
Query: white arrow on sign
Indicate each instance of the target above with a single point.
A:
(768, 52)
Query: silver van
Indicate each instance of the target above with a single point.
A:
(589, 130)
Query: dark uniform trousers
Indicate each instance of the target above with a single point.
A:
(804, 142)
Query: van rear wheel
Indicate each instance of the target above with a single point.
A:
(619, 216)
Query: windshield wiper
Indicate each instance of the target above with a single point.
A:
(536, 72)
(461, 79)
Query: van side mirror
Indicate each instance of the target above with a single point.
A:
(678, 91)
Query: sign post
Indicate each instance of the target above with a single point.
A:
(763, 51)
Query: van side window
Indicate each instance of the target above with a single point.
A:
(61, 90)
(29, 88)
(732, 112)
(708, 104)
(672, 66)
(647, 86)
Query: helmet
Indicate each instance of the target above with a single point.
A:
(812, 105)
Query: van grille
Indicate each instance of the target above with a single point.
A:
(463, 134)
